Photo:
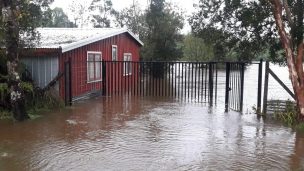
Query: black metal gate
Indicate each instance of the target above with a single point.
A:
(234, 88)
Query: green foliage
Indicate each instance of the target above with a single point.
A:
(101, 11)
(43, 101)
(238, 29)
(162, 37)
(300, 127)
(195, 49)
(55, 18)
(37, 102)
(3, 91)
(29, 16)
(289, 116)
(27, 87)
(5, 114)
(133, 18)
(3, 59)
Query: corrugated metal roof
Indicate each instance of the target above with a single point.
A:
(72, 38)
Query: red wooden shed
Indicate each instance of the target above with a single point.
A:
(85, 48)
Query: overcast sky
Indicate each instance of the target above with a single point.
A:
(185, 5)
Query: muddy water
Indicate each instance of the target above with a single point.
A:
(148, 134)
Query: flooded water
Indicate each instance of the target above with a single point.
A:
(111, 133)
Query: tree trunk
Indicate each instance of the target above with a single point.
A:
(17, 99)
(294, 57)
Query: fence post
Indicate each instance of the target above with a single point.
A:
(68, 82)
(104, 74)
(210, 84)
(227, 88)
(259, 100)
(266, 88)
(242, 85)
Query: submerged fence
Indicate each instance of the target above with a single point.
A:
(185, 81)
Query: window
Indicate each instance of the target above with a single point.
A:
(127, 69)
(114, 52)
(94, 66)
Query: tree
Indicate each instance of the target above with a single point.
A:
(56, 18)
(162, 36)
(79, 12)
(258, 26)
(292, 43)
(101, 11)
(18, 17)
(133, 18)
(195, 49)
(244, 26)
(163, 32)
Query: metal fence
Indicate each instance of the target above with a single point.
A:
(185, 81)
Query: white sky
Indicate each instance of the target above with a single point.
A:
(185, 5)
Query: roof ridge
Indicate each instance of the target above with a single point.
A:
(71, 38)
(63, 28)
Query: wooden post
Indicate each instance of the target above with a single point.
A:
(266, 88)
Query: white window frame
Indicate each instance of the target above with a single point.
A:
(98, 62)
(114, 58)
(125, 72)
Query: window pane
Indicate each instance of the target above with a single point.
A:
(114, 53)
(127, 64)
(90, 69)
(97, 67)
(130, 64)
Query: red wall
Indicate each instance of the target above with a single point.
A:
(125, 44)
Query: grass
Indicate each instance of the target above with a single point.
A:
(300, 127)
(290, 117)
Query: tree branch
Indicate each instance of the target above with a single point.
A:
(299, 62)
(288, 13)
(286, 42)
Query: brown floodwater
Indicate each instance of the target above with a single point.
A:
(119, 133)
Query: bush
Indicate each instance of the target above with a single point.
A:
(36, 100)
(290, 116)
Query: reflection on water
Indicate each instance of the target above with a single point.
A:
(112, 133)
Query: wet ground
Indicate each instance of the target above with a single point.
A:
(111, 133)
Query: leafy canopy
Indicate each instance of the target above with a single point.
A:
(29, 17)
(101, 11)
(163, 32)
(195, 49)
(244, 28)
(55, 18)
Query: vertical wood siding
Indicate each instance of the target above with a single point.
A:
(125, 44)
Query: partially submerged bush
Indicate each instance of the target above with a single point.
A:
(289, 116)
(5, 114)
(44, 101)
(36, 100)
